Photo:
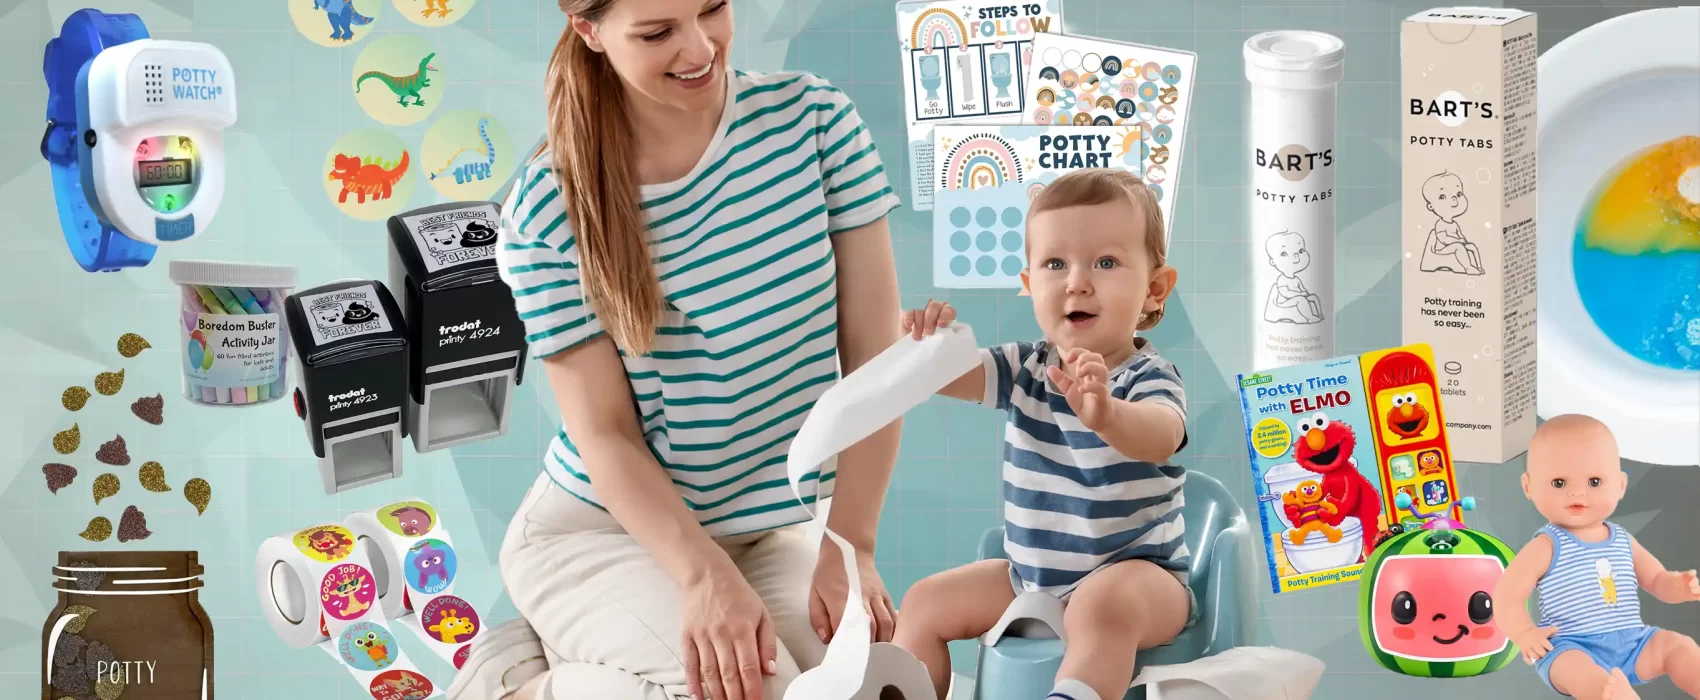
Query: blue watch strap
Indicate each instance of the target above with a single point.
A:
(96, 244)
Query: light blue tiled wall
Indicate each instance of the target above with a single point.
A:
(58, 323)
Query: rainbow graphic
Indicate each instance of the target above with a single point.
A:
(940, 27)
(981, 160)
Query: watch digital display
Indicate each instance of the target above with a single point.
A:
(166, 171)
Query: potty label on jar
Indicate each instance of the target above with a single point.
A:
(344, 313)
(227, 351)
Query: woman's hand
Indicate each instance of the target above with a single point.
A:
(922, 322)
(728, 642)
(826, 597)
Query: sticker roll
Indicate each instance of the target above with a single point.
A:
(414, 565)
(317, 588)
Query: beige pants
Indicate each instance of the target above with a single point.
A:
(610, 617)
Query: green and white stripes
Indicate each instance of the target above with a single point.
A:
(742, 247)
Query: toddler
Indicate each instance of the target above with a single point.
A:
(1092, 508)
(1591, 642)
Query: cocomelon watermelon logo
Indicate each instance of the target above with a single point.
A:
(347, 592)
(401, 684)
(367, 647)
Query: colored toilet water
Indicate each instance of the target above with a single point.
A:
(1641, 223)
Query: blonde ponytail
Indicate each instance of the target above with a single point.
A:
(589, 142)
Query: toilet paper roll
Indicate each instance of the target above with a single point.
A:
(415, 566)
(317, 588)
(868, 399)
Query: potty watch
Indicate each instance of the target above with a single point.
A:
(134, 137)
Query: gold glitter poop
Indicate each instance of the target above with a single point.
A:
(131, 345)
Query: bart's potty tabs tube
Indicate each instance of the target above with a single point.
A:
(351, 353)
(317, 588)
(235, 340)
(1294, 78)
(877, 393)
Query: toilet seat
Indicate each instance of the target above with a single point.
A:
(1654, 412)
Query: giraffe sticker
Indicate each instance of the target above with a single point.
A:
(1608, 587)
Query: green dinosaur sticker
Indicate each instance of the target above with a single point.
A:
(398, 79)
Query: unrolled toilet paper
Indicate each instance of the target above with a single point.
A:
(1241, 673)
(866, 400)
(345, 587)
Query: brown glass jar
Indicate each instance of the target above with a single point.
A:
(128, 625)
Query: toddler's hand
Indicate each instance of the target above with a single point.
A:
(1534, 642)
(1689, 585)
(1084, 381)
(921, 323)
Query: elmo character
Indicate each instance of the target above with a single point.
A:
(1325, 447)
(1407, 418)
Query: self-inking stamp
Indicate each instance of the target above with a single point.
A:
(351, 360)
(466, 345)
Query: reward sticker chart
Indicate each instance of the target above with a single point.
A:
(964, 64)
(987, 180)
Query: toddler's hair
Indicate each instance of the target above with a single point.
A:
(1089, 186)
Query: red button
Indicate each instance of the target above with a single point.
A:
(300, 405)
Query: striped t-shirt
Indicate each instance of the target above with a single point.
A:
(1073, 504)
(1590, 587)
(749, 339)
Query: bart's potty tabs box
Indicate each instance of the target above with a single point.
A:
(1425, 603)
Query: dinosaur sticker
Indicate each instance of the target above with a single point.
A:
(334, 22)
(368, 174)
(433, 13)
(399, 79)
(465, 155)
(342, 314)
(451, 238)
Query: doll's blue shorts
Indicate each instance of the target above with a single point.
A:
(1619, 649)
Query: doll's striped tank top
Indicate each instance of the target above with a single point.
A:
(1590, 587)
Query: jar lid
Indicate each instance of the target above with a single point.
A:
(1295, 50)
(224, 274)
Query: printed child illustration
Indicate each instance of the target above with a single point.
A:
(1447, 248)
(1289, 300)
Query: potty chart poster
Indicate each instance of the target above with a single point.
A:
(985, 178)
(1083, 81)
(1332, 444)
(964, 63)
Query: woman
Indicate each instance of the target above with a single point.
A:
(688, 317)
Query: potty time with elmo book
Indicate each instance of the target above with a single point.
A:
(1333, 443)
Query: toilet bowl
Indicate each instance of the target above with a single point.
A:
(1607, 93)
(1316, 553)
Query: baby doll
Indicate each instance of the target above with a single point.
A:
(1092, 507)
(1591, 642)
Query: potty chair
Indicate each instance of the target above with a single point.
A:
(1019, 658)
